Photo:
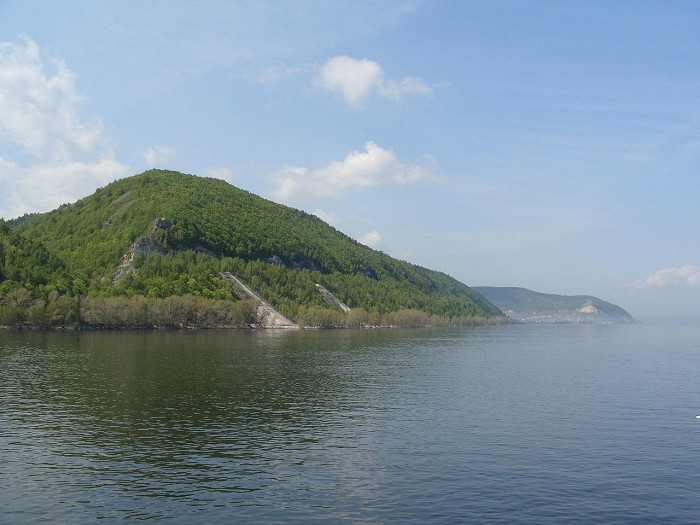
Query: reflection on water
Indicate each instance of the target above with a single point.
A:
(508, 423)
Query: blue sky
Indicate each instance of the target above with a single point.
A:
(550, 145)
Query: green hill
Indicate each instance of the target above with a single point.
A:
(143, 241)
(525, 305)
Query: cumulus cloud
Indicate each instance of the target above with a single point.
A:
(220, 172)
(159, 156)
(373, 167)
(687, 274)
(55, 156)
(372, 239)
(356, 79)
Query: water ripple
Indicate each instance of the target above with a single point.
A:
(505, 425)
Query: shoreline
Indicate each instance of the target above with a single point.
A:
(499, 321)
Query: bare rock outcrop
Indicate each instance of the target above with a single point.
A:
(332, 300)
(267, 316)
(143, 245)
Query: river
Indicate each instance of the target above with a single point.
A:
(506, 424)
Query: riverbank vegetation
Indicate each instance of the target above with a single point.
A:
(19, 310)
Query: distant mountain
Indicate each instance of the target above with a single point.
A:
(525, 305)
(163, 234)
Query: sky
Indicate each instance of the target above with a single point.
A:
(552, 145)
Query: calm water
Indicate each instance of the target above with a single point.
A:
(558, 423)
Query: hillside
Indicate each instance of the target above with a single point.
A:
(527, 306)
(163, 234)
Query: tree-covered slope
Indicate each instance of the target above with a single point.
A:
(524, 304)
(26, 261)
(209, 227)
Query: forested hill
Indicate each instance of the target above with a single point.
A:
(529, 306)
(163, 234)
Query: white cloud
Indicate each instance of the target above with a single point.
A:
(330, 218)
(55, 157)
(687, 274)
(396, 90)
(220, 172)
(372, 239)
(159, 156)
(356, 79)
(373, 167)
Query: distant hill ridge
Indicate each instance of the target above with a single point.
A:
(528, 306)
(164, 234)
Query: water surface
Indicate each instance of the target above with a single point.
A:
(525, 423)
